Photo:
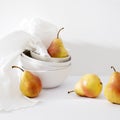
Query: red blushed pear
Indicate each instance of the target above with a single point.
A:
(30, 84)
(89, 85)
(115, 78)
(112, 89)
(56, 48)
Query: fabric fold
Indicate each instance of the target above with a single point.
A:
(10, 48)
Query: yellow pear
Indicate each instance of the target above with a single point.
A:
(112, 88)
(89, 85)
(30, 85)
(56, 48)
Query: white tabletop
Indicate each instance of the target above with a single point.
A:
(56, 104)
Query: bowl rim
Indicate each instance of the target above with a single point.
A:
(60, 64)
(59, 69)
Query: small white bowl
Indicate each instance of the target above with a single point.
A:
(52, 78)
(34, 64)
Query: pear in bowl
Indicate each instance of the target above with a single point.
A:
(56, 51)
(56, 48)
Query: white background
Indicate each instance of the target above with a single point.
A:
(92, 28)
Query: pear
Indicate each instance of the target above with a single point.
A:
(30, 84)
(89, 85)
(112, 88)
(56, 48)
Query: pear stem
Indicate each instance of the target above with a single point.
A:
(113, 68)
(59, 32)
(18, 68)
(71, 91)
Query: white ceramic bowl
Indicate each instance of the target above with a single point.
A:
(52, 78)
(52, 74)
(33, 64)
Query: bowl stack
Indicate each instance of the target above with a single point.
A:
(51, 71)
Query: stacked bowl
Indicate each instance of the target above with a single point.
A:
(51, 71)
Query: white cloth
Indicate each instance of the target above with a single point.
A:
(36, 31)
